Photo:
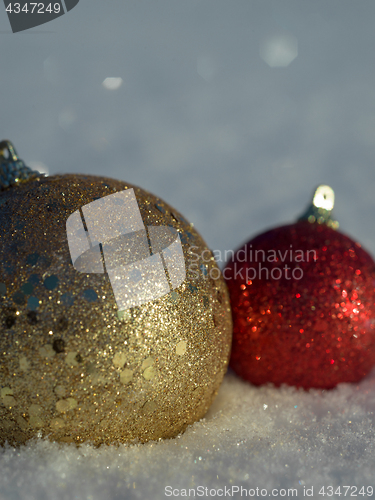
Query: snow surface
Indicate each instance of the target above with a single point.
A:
(236, 145)
(252, 437)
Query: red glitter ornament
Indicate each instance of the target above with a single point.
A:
(303, 303)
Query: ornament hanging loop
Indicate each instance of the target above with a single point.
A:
(8, 146)
(320, 209)
(13, 171)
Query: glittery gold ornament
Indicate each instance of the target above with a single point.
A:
(116, 327)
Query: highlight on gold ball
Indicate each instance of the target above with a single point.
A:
(109, 333)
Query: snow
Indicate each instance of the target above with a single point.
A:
(237, 146)
(253, 437)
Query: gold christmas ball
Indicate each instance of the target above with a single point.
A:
(115, 320)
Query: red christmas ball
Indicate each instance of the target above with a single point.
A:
(303, 302)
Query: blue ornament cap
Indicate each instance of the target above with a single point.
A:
(13, 171)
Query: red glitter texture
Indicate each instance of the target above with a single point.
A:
(316, 329)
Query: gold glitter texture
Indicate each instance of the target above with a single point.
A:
(72, 366)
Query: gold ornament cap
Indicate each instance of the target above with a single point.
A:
(320, 209)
